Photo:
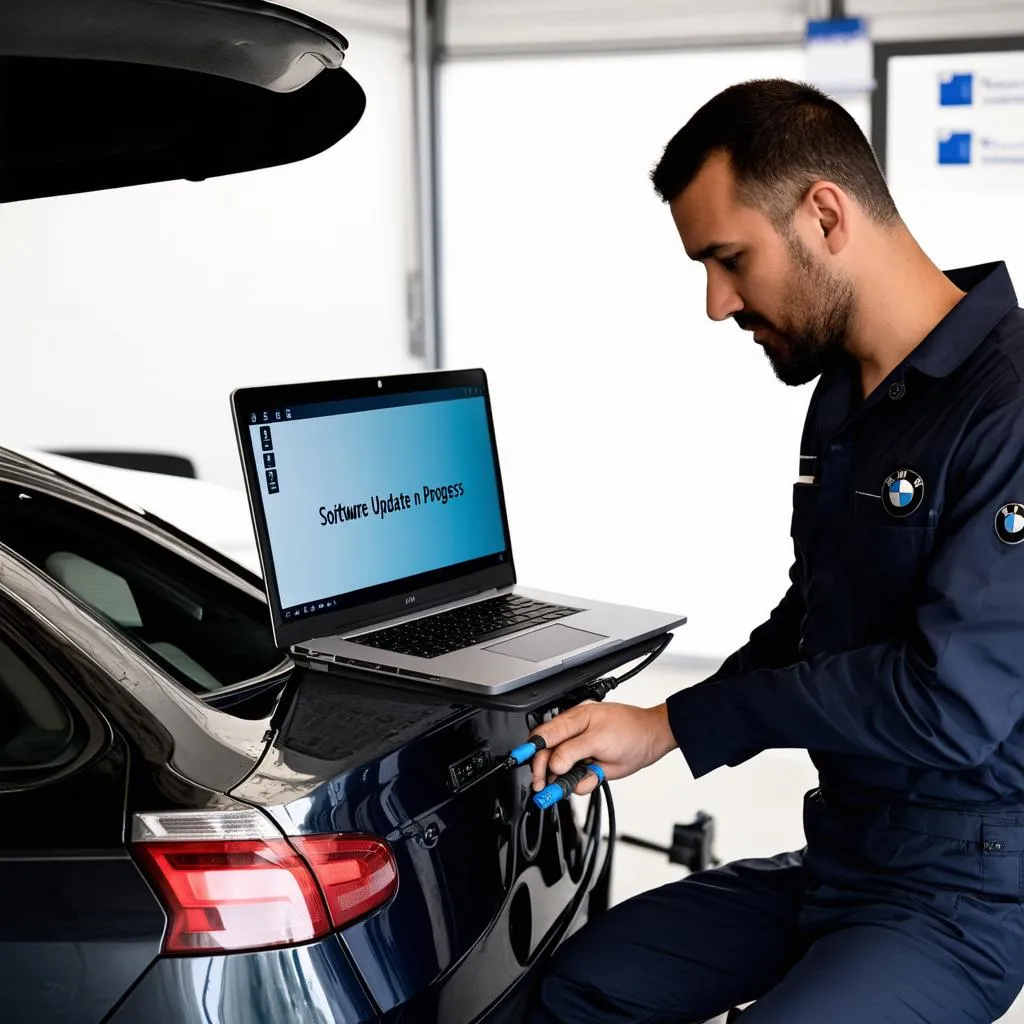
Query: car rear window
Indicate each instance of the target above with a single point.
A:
(200, 629)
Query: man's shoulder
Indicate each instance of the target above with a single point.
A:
(1009, 332)
(986, 392)
(1002, 354)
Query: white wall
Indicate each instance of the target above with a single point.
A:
(128, 316)
(648, 454)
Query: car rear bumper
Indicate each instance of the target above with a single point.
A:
(310, 984)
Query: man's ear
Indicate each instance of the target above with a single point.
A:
(830, 208)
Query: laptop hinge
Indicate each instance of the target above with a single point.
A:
(362, 624)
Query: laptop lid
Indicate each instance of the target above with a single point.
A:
(372, 497)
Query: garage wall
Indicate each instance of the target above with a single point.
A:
(648, 453)
(128, 316)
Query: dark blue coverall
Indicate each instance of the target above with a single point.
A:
(897, 659)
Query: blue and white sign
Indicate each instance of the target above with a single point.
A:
(956, 123)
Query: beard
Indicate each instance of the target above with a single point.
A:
(799, 350)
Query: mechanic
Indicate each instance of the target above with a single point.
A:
(897, 655)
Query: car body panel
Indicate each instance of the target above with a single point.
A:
(308, 984)
(206, 746)
(485, 879)
(450, 1001)
(79, 923)
(79, 928)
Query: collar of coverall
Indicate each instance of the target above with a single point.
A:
(990, 296)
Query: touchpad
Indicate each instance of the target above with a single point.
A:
(546, 643)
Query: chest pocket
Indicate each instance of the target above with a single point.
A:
(889, 557)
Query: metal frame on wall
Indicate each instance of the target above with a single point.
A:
(427, 19)
(920, 48)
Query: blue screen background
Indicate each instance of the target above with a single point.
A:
(351, 457)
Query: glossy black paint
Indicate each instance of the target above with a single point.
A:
(311, 984)
(125, 92)
(486, 889)
(487, 881)
(455, 1000)
(79, 924)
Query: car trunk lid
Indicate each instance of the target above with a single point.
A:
(485, 880)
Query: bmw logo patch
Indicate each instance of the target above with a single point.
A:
(1010, 523)
(902, 493)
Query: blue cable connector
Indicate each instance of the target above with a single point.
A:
(523, 753)
(565, 784)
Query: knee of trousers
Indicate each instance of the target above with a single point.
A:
(588, 983)
(572, 984)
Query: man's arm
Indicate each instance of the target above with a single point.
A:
(624, 739)
(946, 695)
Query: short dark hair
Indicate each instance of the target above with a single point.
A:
(780, 138)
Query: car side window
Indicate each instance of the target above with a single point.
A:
(39, 732)
(200, 629)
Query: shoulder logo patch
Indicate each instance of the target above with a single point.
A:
(1010, 523)
(902, 493)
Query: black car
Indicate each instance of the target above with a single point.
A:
(192, 827)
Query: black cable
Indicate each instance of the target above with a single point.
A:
(611, 812)
(600, 688)
(600, 895)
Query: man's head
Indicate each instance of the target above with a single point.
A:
(770, 184)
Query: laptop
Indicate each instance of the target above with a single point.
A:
(384, 542)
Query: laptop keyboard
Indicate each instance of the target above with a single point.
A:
(463, 627)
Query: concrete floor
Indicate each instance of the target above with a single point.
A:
(757, 807)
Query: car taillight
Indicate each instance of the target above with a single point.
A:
(235, 894)
(356, 873)
(230, 881)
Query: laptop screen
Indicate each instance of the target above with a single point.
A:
(360, 493)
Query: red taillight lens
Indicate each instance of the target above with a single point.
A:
(356, 873)
(235, 894)
(230, 881)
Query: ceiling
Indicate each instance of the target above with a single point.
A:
(493, 27)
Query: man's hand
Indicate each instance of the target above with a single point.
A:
(621, 738)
